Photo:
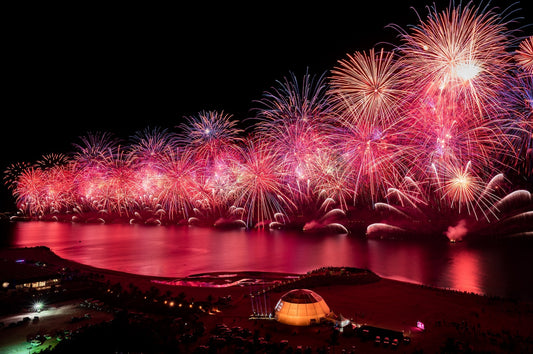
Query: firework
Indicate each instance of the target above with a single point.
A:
(462, 188)
(94, 147)
(13, 172)
(179, 187)
(524, 55)
(260, 190)
(422, 135)
(150, 146)
(52, 160)
(30, 192)
(333, 179)
(209, 133)
(377, 155)
(444, 131)
(294, 121)
(459, 52)
(369, 86)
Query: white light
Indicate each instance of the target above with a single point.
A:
(467, 71)
(38, 306)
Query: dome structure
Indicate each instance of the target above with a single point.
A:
(301, 307)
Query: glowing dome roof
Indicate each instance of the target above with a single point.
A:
(301, 296)
(301, 307)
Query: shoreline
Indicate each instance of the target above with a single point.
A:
(199, 280)
(485, 323)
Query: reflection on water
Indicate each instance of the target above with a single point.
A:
(465, 271)
(175, 251)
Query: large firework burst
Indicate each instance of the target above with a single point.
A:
(369, 86)
(461, 52)
(294, 120)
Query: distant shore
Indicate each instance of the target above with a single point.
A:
(484, 323)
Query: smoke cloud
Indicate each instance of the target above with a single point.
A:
(457, 232)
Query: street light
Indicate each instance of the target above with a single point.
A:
(38, 306)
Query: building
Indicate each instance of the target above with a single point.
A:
(20, 275)
(301, 307)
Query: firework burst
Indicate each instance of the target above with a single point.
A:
(179, 186)
(260, 190)
(13, 172)
(459, 52)
(377, 155)
(209, 133)
(294, 121)
(524, 55)
(369, 86)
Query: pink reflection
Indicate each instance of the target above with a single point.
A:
(405, 263)
(464, 271)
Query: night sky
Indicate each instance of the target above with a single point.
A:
(73, 70)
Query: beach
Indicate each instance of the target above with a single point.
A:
(450, 318)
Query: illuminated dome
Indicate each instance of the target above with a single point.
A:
(301, 307)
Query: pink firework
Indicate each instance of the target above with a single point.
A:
(60, 194)
(524, 55)
(260, 189)
(333, 179)
(519, 126)
(150, 149)
(13, 172)
(377, 155)
(444, 131)
(209, 133)
(462, 188)
(30, 192)
(150, 146)
(370, 87)
(459, 52)
(90, 170)
(118, 192)
(94, 147)
(294, 120)
(179, 188)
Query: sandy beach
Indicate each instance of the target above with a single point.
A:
(472, 321)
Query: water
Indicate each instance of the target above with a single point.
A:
(501, 269)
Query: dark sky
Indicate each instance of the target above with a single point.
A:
(122, 69)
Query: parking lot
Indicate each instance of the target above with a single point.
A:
(46, 327)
